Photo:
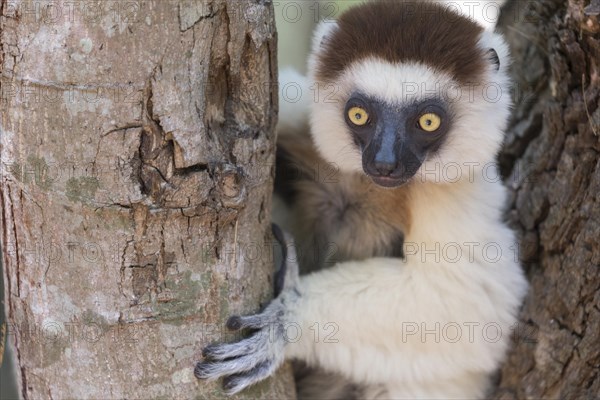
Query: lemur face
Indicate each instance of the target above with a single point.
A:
(394, 139)
(403, 96)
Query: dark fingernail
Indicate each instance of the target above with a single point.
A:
(228, 383)
(200, 370)
(206, 351)
(234, 323)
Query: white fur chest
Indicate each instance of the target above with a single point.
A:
(443, 316)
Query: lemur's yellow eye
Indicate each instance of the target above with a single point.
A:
(430, 122)
(358, 116)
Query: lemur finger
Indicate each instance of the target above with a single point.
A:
(256, 321)
(216, 352)
(213, 370)
(235, 383)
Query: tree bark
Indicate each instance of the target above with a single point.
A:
(137, 158)
(552, 164)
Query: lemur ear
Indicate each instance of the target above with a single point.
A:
(496, 50)
(494, 59)
(322, 32)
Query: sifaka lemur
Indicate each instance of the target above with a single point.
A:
(422, 285)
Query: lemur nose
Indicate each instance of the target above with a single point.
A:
(385, 168)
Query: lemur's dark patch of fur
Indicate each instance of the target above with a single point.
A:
(406, 31)
(397, 246)
(290, 170)
(324, 385)
(345, 217)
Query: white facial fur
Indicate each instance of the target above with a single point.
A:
(480, 111)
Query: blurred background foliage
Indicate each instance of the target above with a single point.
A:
(295, 22)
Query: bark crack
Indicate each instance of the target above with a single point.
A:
(200, 18)
(23, 376)
(5, 240)
(17, 249)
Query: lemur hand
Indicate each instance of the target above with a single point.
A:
(258, 356)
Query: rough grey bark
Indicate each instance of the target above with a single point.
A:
(552, 161)
(137, 149)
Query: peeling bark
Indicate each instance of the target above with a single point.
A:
(552, 161)
(137, 158)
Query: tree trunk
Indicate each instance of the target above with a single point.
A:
(552, 163)
(137, 150)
